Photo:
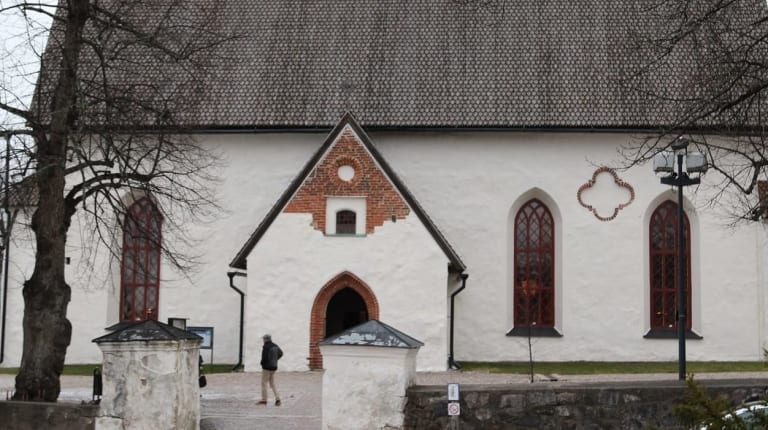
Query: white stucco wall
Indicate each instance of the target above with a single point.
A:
(202, 296)
(468, 184)
(602, 265)
(88, 304)
(400, 262)
(20, 268)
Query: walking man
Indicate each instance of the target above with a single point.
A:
(270, 353)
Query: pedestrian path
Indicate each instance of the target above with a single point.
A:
(228, 402)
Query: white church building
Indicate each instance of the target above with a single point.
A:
(446, 168)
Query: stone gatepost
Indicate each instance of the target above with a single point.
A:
(367, 371)
(150, 378)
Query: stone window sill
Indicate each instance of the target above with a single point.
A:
(345, 235)
(534, 332)
(663, 333)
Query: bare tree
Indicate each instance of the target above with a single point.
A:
(120, 80)
(704, 71)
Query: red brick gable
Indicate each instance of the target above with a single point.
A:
(385, 196)
(383, 201)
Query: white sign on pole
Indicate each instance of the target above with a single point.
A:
(453, 392)
(454, 409)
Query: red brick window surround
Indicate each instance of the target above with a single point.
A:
(534, 266)
(140, 262)
(320, 306)
(663, 231)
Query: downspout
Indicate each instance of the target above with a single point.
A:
(452, 364)
(6, 242)
(242, 314)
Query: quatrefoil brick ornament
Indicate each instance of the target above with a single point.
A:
(607, 195)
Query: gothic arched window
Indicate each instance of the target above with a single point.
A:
(140, 265)
(534, 267)
(663, 231)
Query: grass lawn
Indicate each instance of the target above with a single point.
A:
(602, 367)
(87, 369)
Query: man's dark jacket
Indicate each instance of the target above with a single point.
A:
(270, 353)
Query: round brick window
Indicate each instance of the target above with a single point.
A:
(346, 172)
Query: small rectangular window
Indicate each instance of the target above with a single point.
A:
(346, 222)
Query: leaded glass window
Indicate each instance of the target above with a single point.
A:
(663, 231)
(534, 266)
(140, 265)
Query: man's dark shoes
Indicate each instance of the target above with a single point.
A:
(277, 402)
(261, 402)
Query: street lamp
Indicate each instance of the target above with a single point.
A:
(695, 162)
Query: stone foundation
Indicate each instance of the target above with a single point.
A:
(49, 416)
(628, 405)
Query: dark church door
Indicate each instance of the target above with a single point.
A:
(345, 309)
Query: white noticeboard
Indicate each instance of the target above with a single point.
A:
(454, 409)
(453, 392)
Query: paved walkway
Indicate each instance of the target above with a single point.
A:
(229, 400)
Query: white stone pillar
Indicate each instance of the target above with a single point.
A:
(150, 383)
(366, 377)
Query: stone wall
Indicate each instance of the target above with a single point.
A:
(49, 416)
(630, 406)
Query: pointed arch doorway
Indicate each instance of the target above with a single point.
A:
(344, 302)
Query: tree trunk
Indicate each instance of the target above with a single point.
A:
(47, 332)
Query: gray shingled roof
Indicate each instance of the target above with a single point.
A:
(432, 64)
(149, 330)
(373, 333)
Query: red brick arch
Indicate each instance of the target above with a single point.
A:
(319, 307)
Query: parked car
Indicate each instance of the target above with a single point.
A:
(752, 416)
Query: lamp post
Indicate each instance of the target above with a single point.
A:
(664, 162)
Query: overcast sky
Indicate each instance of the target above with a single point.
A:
(22, 38)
